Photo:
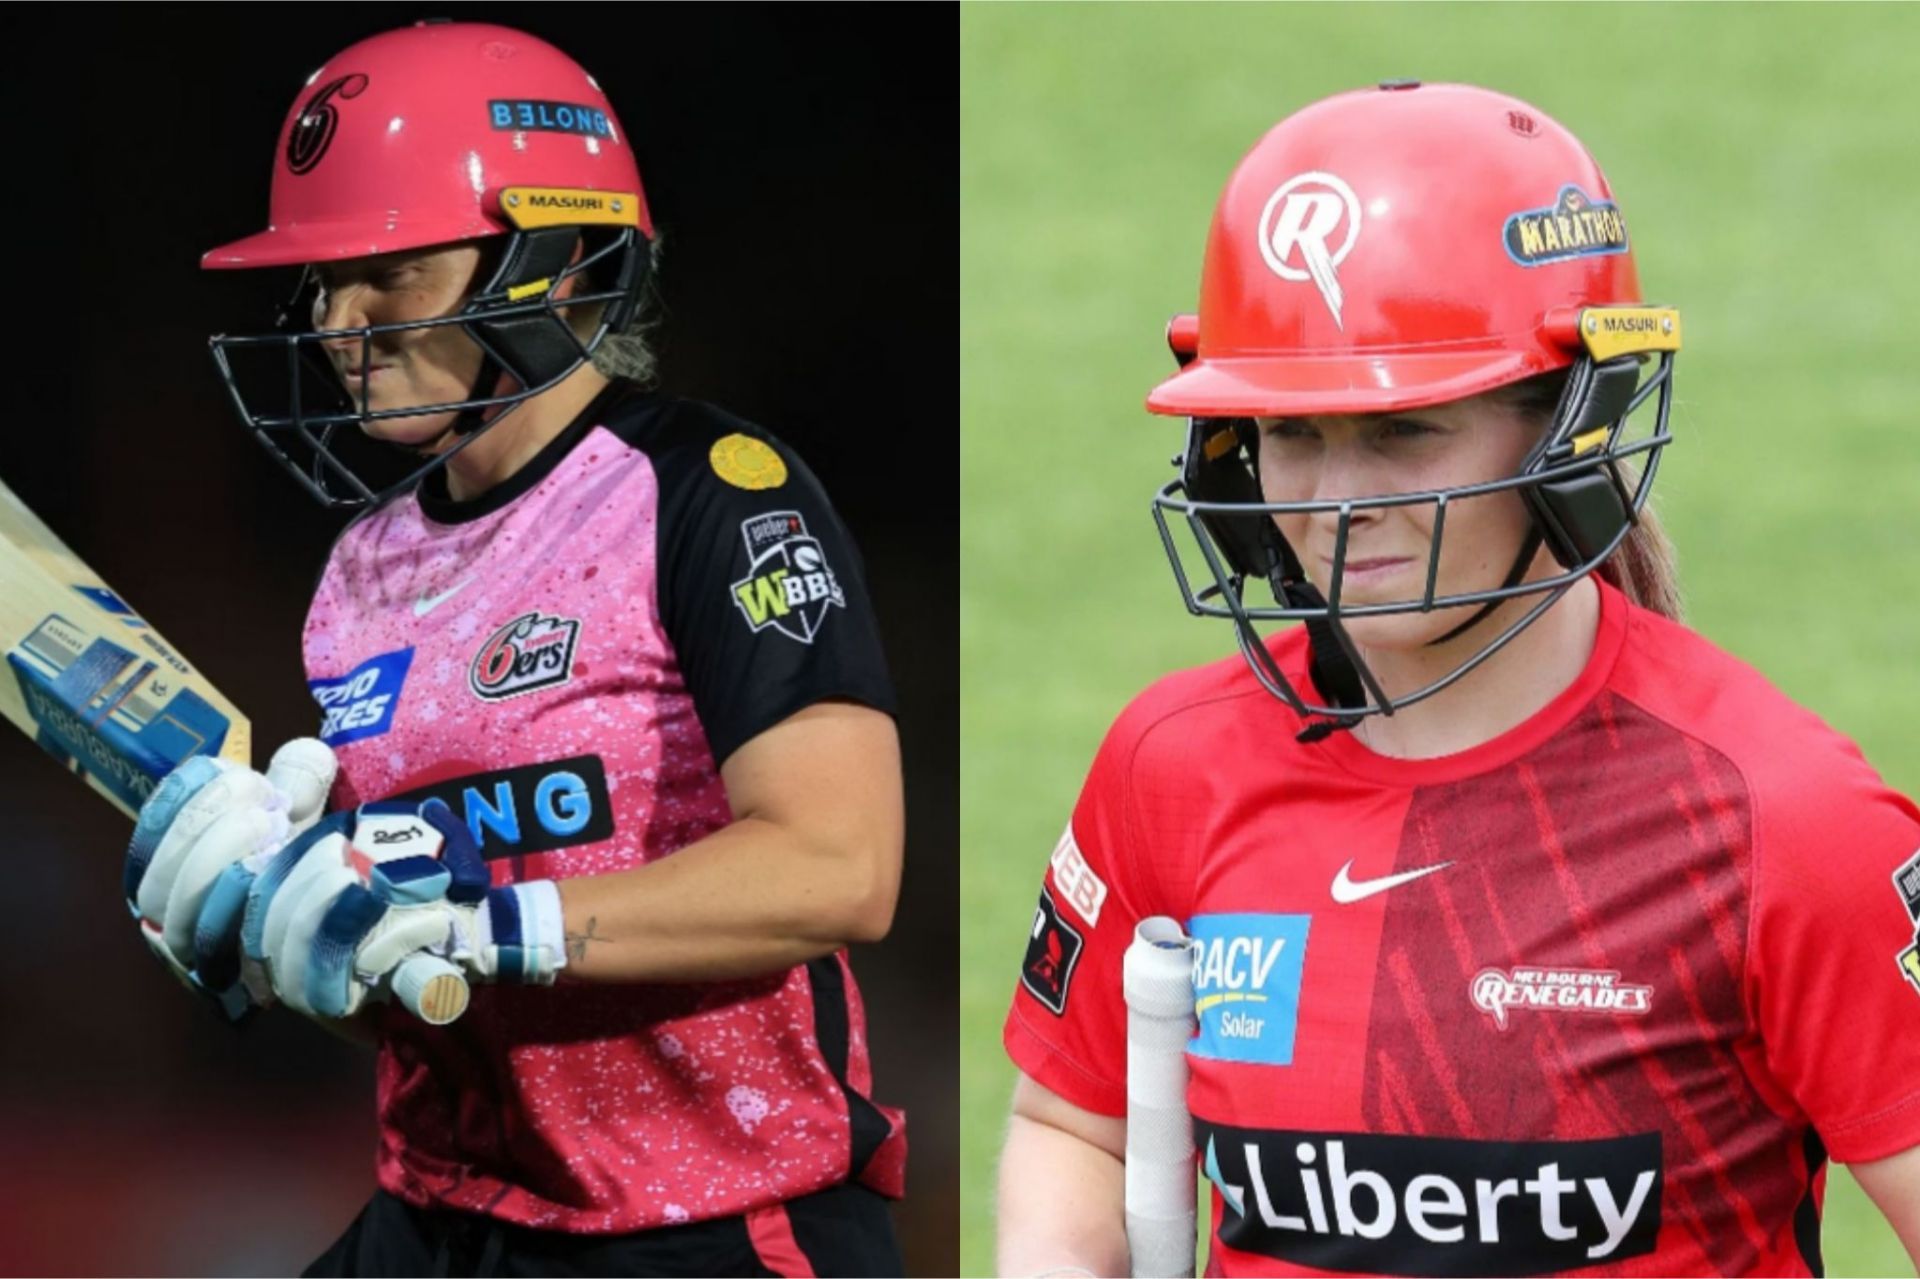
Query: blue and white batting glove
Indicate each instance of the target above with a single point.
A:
(207, 827)
(338, 910)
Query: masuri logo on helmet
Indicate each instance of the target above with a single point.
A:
(428, 135)
(1449, 252)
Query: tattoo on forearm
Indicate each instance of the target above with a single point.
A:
(577, 942)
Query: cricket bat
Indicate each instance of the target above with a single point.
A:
(1157, 977)
(102, 692)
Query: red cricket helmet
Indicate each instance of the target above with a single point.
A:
(1391, 249)
(411, 137)
(1395, 247)
(429, 135)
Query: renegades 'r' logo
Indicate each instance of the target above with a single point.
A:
(1298, 230)
(789, 585)
(529, 653)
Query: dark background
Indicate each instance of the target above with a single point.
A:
(802, 164)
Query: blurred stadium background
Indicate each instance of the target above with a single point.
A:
(1763, 156)
(801, 171)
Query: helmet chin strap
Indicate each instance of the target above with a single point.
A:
(1330, 668)
(486, 385)
(1328, 665)
(1529, 548)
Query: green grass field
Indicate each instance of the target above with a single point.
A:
(1764, 158)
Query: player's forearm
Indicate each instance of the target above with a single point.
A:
(752, 898)
(1062, 1204)
(1893, 1183)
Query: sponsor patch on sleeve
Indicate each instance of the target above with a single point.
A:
(361, 703)
(789, 585)
(1906, 882)
(1053, 951)
(1079, 886)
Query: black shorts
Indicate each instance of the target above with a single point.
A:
(844, 1230)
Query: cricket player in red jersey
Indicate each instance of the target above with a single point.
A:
(612, 653)
(1532, 933)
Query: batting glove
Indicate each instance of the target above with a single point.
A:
(339, 910)
(207, 828)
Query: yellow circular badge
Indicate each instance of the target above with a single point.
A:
(747, 463)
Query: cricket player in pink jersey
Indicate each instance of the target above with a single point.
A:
(1531, 932)
(609, 656)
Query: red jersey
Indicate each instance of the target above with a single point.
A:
(1599, 995)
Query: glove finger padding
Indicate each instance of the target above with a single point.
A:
(315, 970)
(231, 789)
(404, 930)
(299, 909)
(216, 936)
(304, 770)
(234, 835)
(157, 815)
(362, 939)
(395, 853)
(281, 881)
(469, 878)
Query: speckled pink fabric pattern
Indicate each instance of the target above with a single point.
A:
(579, 1108)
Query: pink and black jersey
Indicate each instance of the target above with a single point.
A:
(1600, 995)
(566, 660)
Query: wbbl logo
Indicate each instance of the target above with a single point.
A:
(789, 585)
(1298, 228)
(530, 653)
(1906, 882)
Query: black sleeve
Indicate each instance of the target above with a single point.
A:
(762, 592)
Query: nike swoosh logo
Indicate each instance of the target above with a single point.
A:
(1347, 891)
(427, 603)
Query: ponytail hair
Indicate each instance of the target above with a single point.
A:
(1645, 566)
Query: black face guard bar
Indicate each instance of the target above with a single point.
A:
(537, 360)
(1231, 560)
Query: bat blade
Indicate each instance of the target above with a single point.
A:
(102, 692)
(90, 680)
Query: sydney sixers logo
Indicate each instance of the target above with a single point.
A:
(1307, 230)
(313, 130)
(529, 653)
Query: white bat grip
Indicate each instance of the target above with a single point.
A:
(431, 989)
(1158, 981)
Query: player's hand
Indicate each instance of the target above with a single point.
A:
(340, 909)
(207, 828)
